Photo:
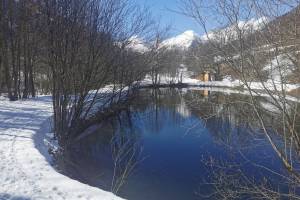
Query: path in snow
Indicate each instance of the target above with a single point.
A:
(25, 172)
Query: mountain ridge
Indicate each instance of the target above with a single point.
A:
(185, 40)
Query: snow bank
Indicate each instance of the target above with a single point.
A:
(280, 67)
(25, 167)
(271, 85)
(164, 80)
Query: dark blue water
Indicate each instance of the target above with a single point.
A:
(173, 144)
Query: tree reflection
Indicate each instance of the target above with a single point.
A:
(233, 122)
(126, 151)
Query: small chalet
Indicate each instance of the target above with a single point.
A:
(206, 76)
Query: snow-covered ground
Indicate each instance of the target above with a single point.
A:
(25, 167)
(226, 82)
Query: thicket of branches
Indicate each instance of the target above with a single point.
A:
(70, 49)
(246, 52)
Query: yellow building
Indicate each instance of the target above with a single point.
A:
(206, 76)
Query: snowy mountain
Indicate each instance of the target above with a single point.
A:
(186, 39)
(230, 33)
(182, 41)
(137, 44)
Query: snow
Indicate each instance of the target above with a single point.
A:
(166, 79)
(272, 48)
(226, 82)
(230, 33)
(280, 67)
(273, 85)
(103, 96)
(243, 92)
(137, 44)
(185, 40)
(182, 41)
(26, 172)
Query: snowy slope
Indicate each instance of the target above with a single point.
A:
(280, 67)
(24, 159)
(182, 41)
(231, 32)
(226, 82)
(137, 44)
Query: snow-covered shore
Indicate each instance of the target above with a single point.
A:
(26, 172)
(270, 85)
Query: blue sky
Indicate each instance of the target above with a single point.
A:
(178, 22)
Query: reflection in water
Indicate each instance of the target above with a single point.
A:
(159, 149)
(182, 108)
(126, 151)
(205, 93)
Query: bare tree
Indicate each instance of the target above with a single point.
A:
(246, 50)
(86, 49)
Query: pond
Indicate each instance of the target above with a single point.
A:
(177, 144)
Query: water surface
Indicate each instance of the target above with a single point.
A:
(169, 142)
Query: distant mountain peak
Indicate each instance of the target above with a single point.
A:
(182, 41)
(190, 33)
(137, 44)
